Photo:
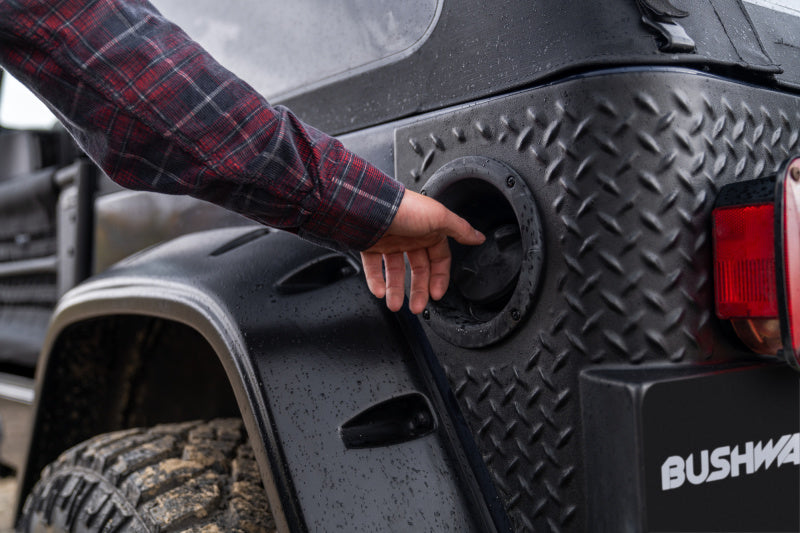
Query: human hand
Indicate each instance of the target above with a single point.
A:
(419, 231)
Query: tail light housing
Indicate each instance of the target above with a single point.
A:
(756, 230)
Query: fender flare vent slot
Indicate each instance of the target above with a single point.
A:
(316, 274)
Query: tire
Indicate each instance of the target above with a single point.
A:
(195, 476)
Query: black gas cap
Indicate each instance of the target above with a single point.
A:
(493, 284)
(489, 272)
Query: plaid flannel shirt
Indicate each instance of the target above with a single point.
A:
(156, 112)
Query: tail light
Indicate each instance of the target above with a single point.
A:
(756, 228)
(787, 246)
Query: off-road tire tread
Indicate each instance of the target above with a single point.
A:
(194, 476)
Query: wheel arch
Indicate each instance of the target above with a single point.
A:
(119, 330)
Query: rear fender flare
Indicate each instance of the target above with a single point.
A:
(305, 348)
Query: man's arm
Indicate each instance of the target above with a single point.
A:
(156, 112)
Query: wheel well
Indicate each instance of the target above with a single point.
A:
(119, 372)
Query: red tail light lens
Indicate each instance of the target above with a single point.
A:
(756, 229)
(744, 261)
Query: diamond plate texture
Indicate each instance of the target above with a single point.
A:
(625, 168)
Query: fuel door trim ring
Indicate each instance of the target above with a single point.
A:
(493, 285)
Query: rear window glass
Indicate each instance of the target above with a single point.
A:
(280, 46)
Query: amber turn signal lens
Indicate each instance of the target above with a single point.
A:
(762, 335)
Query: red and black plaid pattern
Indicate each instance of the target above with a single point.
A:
(156, 112)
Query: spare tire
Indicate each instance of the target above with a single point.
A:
(195, 476)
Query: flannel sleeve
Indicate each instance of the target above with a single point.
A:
(156, 112)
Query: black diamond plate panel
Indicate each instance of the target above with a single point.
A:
(625, 168)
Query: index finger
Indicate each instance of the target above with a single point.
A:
(459, 229)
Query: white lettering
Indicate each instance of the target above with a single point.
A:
(791, 452)
(720, 462)
(696, 479)
(724, 461)
(672, 475)
(766, 455)
(745, 459)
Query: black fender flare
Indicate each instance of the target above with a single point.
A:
(305, 348)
